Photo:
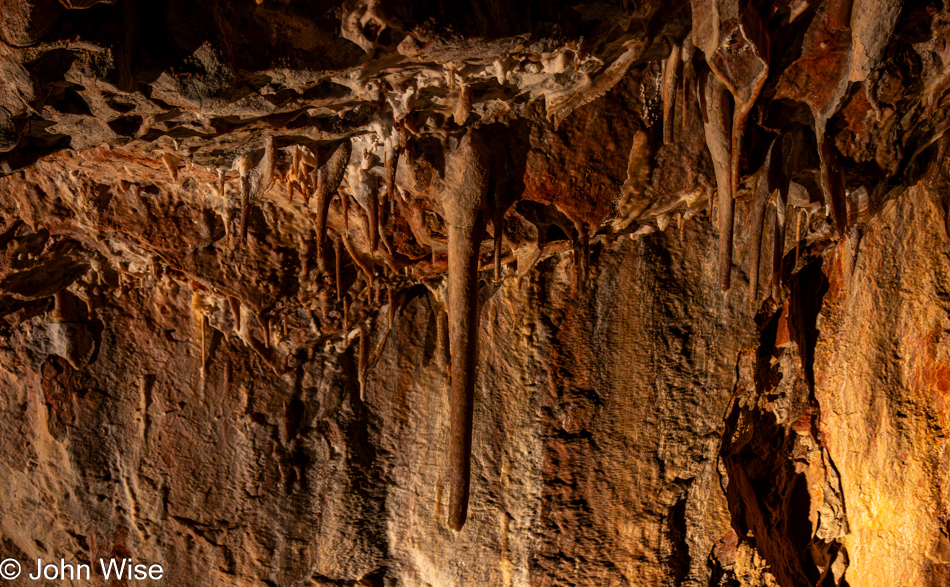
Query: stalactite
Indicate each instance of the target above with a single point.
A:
(222, 178)
(745, 99)
(264, 321)
(391, 162)
(338, 258)
(778, 242)
(581, 254)
(820, 78)
(235, 306)
(463, 202)
(759, 205)
(833, 183)
(345, 204)
(329, 178)
(364, 187)
(769, 178)
(294, 173)
(372, 217)
(322, 197)
(171, 164)
(365, 263)
(716, 120)
(498, 227)
(254, 182)
(689, 75)
(392, 305)
(362, 352)
(859, 213)
(798, 235)
(464, 106)
(737, 52)
(243, 165)
(670, 75)
(201, 310)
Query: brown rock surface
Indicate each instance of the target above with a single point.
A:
(246, 250)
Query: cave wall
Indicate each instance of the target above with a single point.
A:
(601, 414)
(598, 424)
(695, 252)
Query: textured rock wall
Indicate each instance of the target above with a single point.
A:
(390, 293)
(599, 421)
(598, 424)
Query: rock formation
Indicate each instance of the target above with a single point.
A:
(439, 293)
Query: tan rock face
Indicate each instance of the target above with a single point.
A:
(435, 294)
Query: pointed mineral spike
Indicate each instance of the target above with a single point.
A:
(329, 177)
(345, 204)
(392, 305)
(670, 75)
(498, 227)
(363, 351)
(338, 257)
(264, 321)
(716, 121)
(463, 201)
(171, 164)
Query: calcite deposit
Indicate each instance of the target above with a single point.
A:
(427, 293)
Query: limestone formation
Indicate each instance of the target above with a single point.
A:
(573, 293)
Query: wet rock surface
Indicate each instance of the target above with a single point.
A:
(392, 293)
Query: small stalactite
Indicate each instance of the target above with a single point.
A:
(384, 239)
(392, 305)
(201, 310)
(498, 227)
(800, 219)
(362, 353)
(689, 75)
(391, 162)
(321, 196)
(235, 306)
(365, 263)
(171, 164)
(768, 180)
(501, 201)
(464, 105)
(264, 321)
(717, 115)
(328, 179)
(832, 177)
(670, 74)
(346, 312)
(759, 206)
(345, 205)
(778, 241)
(222, 179)
(372, 217)
(254, 182)
(243, 165)
(338, 261)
